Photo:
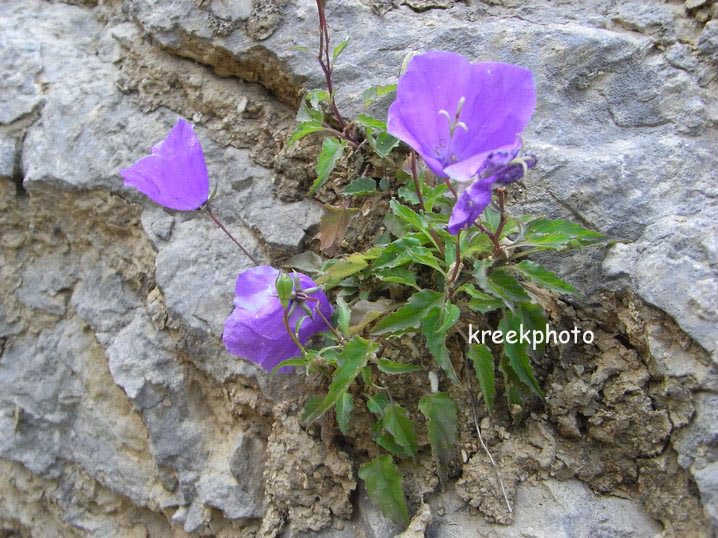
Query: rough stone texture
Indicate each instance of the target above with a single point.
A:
(121, 413)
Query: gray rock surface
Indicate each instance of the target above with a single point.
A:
(121, 412)
(551, 509)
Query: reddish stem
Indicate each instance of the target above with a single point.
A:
(213, 217)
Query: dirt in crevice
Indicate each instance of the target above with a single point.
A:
(236, 113)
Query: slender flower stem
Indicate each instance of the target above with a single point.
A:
(447, 181)
(293, 336)
(325, 61)
(318, 310)
(457, 265)
(417, 186)
(502, 223)
(208, 211)
(415, 177)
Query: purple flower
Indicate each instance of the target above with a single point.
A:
(255, 330)
(455, 113)
(175, 175)
(477, 196)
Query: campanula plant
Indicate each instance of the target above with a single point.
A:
(449, 252)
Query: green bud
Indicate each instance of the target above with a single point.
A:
(285, 289)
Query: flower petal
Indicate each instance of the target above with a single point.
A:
(432, 82)
(498, 108)
(255, 330)
(470, 205)
(175, 175)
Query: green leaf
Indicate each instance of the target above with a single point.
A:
(480, 301)
(305, 129)
(501, 284)
(491, 219)
(410, 315)
(372, 123)
(343, 410)
(343, 316)
(483, 361)
(384, 184)
(533, 319)
(339, 269)
(517, 352)
(290, 362)
(397, 275)
(431, 324)
(352, 359)
(374, 92)
(404, 250)
(317, 96)
(543, 277)
(400, 426)
(311, 405)
(383, 144)
(360, 187)
(407, 216)
(332, 149)
(442, 416)
(383, 485)
(339, 49)
(559, 233)
(377, 403)
(393, 367)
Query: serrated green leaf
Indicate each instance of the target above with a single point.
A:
(436, 341)
(517, 352)
(483, 361)
(317, 96)
(339, 269)
(384, 143)
(377, 403)
(393, 367)
(332, 149)
(339, 49)
(491, 219)
(311, 405)
(501, 284)
(372, 123)
(404, 250)
(305, 129)
(290, 362)
(343, 410)
(543, 277)
(443, 420)
(374, 92)
(397, 275)
(360, 187)
(383, 485)
(559, 233)
(480, 301)
(400, 426)
(407, 216)
(343, 316)
(351, 360)
(533, 319)
(410, 315)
